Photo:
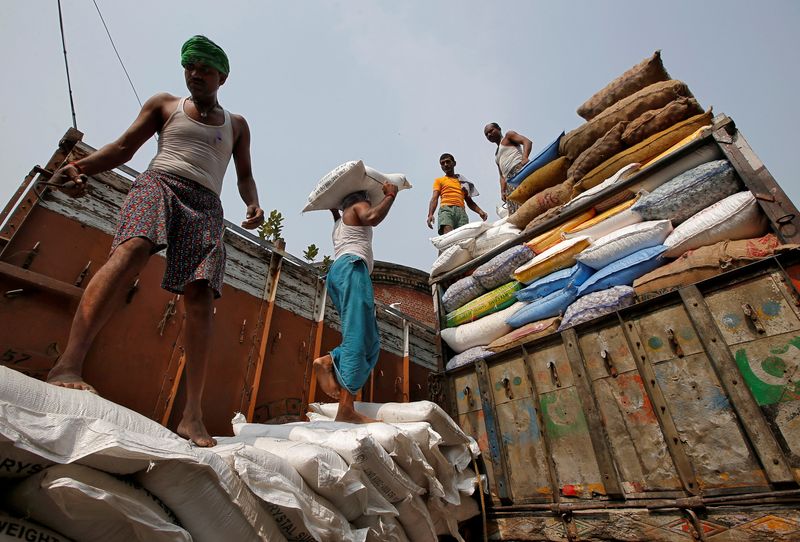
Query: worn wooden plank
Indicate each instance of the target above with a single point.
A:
(769, 452)
(707, 426)
(597, 434)
(771, 312)
(771, 369)
(547, 438)
(268, 303)
(637, 444)
(679, 457)
(521, 435)
(493, 434)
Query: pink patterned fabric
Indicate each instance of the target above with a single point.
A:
(181, 216)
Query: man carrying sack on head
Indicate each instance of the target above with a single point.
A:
(175, 204)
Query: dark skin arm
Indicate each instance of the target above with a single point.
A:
(474, 206)
(432, 207)
(254, 216)
(147, 123)
(362, 214)
(524, 142)
(502, 184)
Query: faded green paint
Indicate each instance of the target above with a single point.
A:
(655, 343)
(767, 393)
(562, 413)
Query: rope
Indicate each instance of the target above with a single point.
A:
(483, 502)
(66, 66)
(115, 51)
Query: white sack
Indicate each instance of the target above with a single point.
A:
(480, 332)
(347, 178)
(624, 242)
(735, 217)
(300, 513)
(416, 520)
(18, 463)
(609, 225)
(416, 411)
(357, 448)
(462, 233)
(494, 237)
(88, 505)
(329, 475)
(210, 500)
(15, 529)
(453, 256)
(383, 528)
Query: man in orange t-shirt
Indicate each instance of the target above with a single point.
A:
(454, 190)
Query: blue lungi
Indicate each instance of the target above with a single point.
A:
(350, 290)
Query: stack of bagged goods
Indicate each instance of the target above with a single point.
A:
(407, 477)
(589, 264)
(90, 469)
(631, 121)
(477, 306)
(468, 242)
(351, 177)
(76, 466)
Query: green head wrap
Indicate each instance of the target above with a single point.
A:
(201, 49)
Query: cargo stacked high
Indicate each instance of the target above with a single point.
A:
(599, 349)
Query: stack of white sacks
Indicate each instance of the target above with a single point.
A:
(76, 466)
(590, 272)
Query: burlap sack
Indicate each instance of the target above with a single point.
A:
(601, 150)
(655, 96)
(654, 121)
(645, 73)
(525, 334)
(541, 202)
(643, 151)
(612, 201)
(550, 175)
(708, 261)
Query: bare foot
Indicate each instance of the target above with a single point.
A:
(196, 432)
(351, 416)
(71, 381)
(326, 377)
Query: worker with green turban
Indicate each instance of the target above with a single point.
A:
(201, 49)
(174, 205)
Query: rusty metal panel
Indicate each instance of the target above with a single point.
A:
(564, 423)
(667, 333)
(753, 309)
(634, 525)
(637, 443)
(280, 391)
(707, 425)
(751, 524)
(523, 445)
(771, 369)
(528, 527)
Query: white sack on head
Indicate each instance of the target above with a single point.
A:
(347, 178)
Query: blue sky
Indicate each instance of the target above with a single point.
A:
(393, 83)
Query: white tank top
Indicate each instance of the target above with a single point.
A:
(355, 240)
(507, 156)
(194, 150)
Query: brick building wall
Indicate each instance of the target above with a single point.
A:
(394, 283)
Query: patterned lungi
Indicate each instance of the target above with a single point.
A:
(511, 205)
(350, 289)
(182, 216)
